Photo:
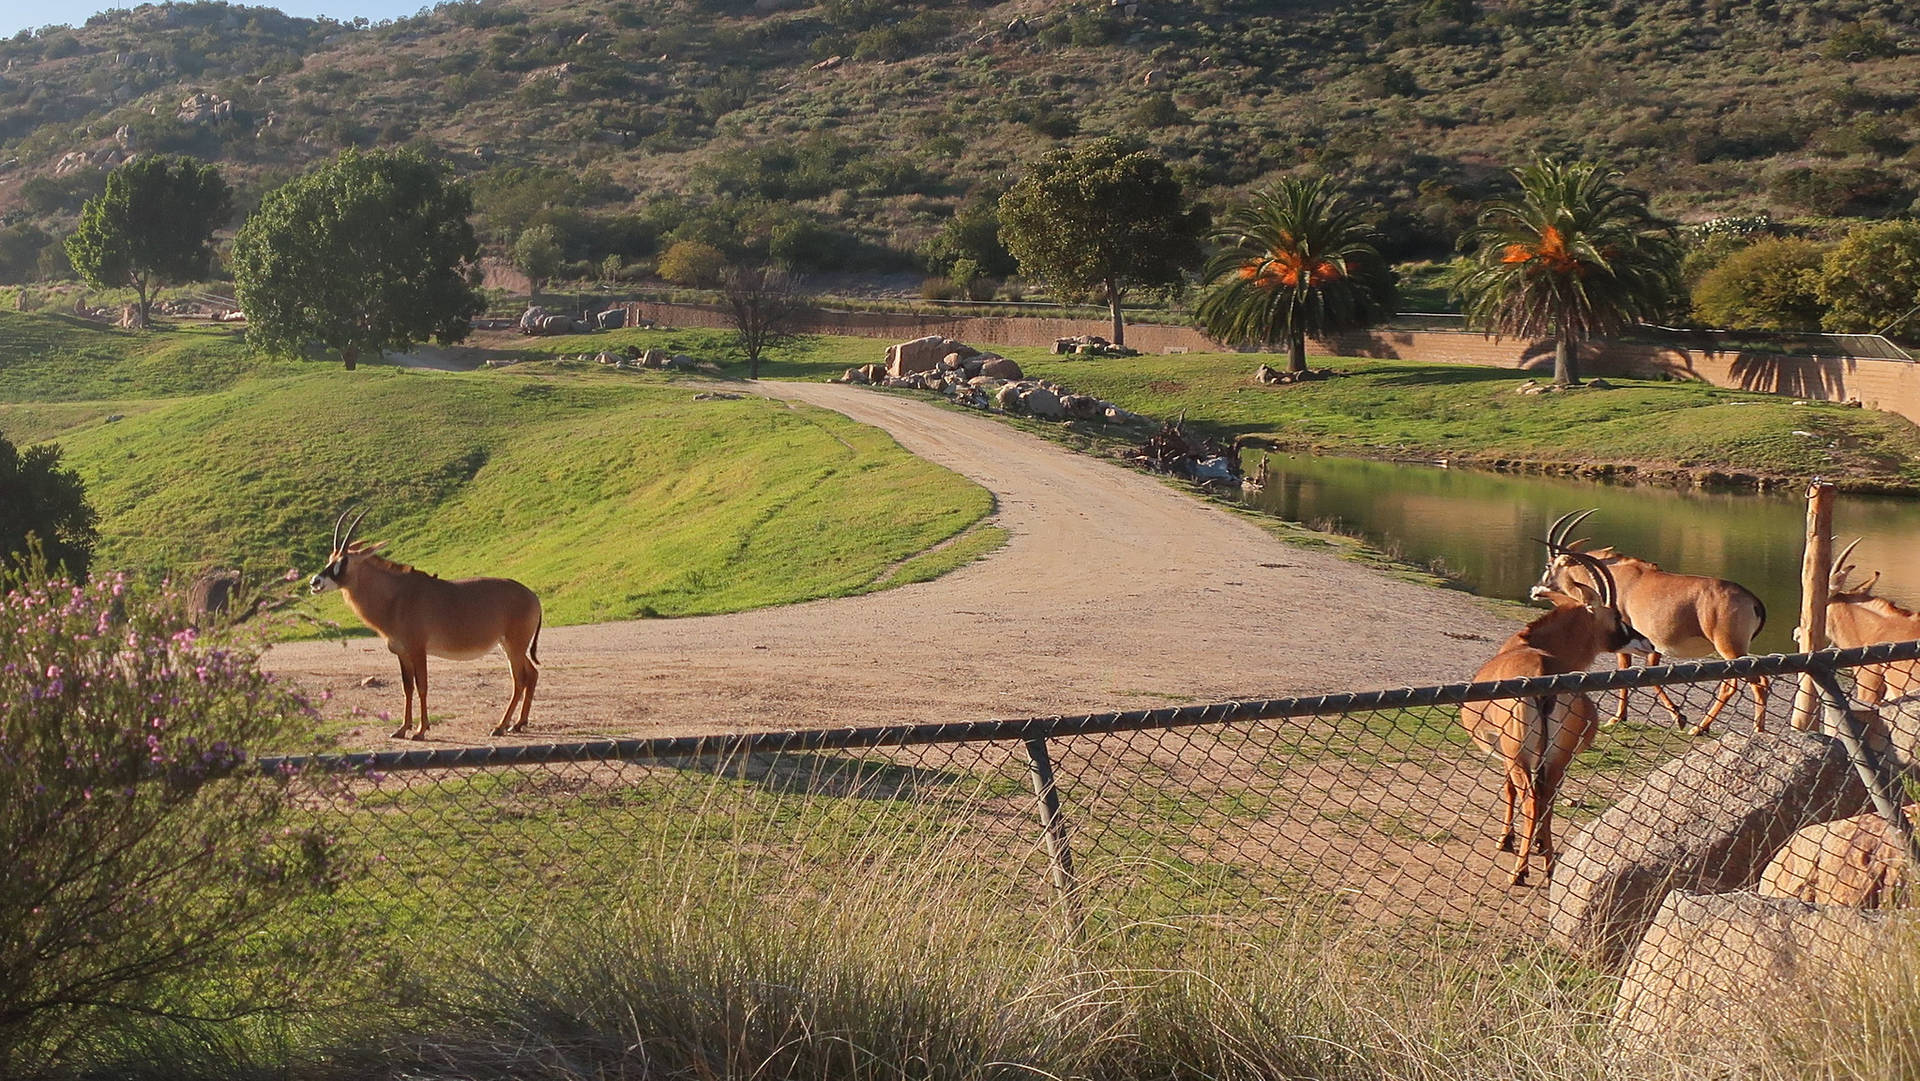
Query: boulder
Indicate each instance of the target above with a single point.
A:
(1001, 368)
(211, 595)
(1893, 730)
(1858, 862)
(1707, 822)
(1716, 972)
(1008, 397)
(1081, 406)
(654, 358)
(1042, 402)
(530, 319)
(611, 319)
(951, 362)
(607, 358)
(853, 375)
(874, 372)
(556, 324)
(918, 355)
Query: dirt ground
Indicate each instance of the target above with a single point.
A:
(1115, 591)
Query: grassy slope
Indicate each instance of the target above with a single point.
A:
(614, 496)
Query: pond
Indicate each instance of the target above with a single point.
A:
(1481, 528)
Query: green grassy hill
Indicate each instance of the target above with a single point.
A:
(613, 496)
(730, 120)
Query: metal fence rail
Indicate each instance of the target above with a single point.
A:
(1367, 815)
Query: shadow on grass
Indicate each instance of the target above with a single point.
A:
(1450, 376)
(822, 775)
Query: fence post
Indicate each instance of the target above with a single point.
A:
(1053, 827)
(1885, 790)
(1813, 594)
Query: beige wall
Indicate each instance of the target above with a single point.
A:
(1890, 385)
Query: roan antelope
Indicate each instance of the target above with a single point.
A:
(1683, 615)
(420, 614)
(1537, 737)
(1855, 617)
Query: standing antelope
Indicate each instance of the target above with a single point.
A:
(1855, 617)
(1683, 615)
(418, 613)
(1537, 737)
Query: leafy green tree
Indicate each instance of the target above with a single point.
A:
(971, 234)
(41, 502)
(1870, 281)
(1298, 260)
(153, 224)
(368, 252)
(1575, 255)
(1104, 219)
(537, 254)
(1771, 284)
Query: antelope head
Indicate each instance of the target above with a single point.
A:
(1842, 570)
(1602, 604)
(1555, 577)
(334, 574)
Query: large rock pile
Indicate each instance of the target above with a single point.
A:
(1091, 345)
(979, 380)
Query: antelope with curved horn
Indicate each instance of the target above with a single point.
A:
(1682, 615)
(1535, 738)
(420, 614)
(1855, 617)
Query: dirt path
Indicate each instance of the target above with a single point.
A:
(1115, 592)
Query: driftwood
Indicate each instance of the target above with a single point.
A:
(1174, 450)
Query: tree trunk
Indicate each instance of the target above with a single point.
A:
(145, 307)
(350, 354)
(1113, 305)
(1297, 350)
(1566, 363)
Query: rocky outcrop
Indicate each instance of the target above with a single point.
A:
(1716, 973)
(1706, 822)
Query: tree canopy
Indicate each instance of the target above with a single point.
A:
(1298, 260)
(42, 501)
(1771, 284)
(366, 253)
(153, 224)
(537, 253)
(1103, 219)
(1871, 280)
(1574, 255)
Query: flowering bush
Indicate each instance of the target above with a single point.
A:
(137, 846)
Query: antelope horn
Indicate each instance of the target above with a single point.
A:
(351, 526)
(1557, 532)
(336, 527)
(1839, 561)
(1609, 592)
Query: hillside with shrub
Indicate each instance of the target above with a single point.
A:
(849, 134)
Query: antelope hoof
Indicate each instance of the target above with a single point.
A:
(1506, 843)
(1698, 729)
(420, 736)
(400, 732)
(501, 730)
(1520, 877)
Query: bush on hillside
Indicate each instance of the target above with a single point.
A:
(692, 264)
(138, 855)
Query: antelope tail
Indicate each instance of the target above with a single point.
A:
(533, 647)
(1545, 723)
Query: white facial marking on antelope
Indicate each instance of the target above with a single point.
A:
(419, 614)
(1855, 618)
(1535, 738)
(1683, 615)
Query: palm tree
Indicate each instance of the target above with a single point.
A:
(1574, 256)
(1298, 261)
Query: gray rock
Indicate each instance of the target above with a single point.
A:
(1008, 397)
(1715, 973)
(1706, 822)
(1042, 402)
(1001, 368)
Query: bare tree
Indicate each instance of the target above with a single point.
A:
(763, 306)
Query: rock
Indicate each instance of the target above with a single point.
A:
(1001, 368)
(1042, 402)
(853, 375)
(682, 362)
(1893, 730)
(211, 595)
(951, 362)
(1857, 862)
(1268, 374)
(1716, 972)
(1707, 821)
(654, 358)
(606, 358)
(918, 355)
(874, 372)
(1008, 397)
(611, 319)
(982, 381)
(1082, 406)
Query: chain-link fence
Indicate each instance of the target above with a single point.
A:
(1361, 814)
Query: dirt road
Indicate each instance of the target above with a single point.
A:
(1115, 592)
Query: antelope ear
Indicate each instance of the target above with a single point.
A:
(1586, 594)
(361, 548)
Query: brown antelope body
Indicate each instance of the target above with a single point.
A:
(1683, 615)
(419, 615)
(1535, 738)
(1855, 618)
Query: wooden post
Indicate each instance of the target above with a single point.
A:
(1053, 827)
(1814, 569)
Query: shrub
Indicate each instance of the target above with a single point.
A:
(137, 857)
(692, 264)
(1870, 281)
(1771, 284)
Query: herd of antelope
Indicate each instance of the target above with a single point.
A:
(1602, 602)
(1607, 602)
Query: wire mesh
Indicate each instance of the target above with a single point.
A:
(1374, 816)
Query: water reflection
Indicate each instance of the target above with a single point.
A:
(1482, 527)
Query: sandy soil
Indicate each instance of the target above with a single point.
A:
(1115, 592)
